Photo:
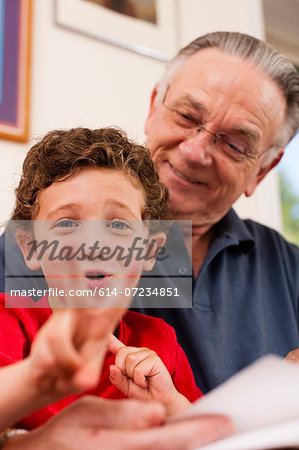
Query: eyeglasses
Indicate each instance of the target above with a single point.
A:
(188, 126)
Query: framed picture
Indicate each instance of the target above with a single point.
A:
(15, 42)
(148, 27)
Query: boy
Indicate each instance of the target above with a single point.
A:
(81, 186)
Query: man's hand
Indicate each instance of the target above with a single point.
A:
(293, 356)
(139, 373)
(94, 424)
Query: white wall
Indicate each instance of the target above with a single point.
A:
(80, 81)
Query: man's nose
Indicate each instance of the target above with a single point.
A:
(198, 148)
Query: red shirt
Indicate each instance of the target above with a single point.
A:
(20, 325)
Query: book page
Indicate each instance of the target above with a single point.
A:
(276, 436)
(262, 395)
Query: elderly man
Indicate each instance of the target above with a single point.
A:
(218, 122)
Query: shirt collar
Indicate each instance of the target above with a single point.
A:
(234, 231)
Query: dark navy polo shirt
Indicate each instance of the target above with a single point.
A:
(245, 301)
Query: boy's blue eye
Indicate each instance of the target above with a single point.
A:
(118, 225)
(66, 223)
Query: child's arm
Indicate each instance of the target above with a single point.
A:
(66, 357)
(139, 373)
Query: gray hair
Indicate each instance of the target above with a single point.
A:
(265, 58)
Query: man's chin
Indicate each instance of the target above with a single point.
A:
(177, 212)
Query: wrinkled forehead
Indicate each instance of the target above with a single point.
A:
(212, 66)
(222, 82)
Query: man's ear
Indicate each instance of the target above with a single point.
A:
(262, 173)
(25, 241)
(151, 110)
(155, 243)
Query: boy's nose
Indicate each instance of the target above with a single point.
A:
(92, 237)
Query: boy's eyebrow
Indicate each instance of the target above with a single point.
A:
(69, 206)
(109, 202)
(121, 205)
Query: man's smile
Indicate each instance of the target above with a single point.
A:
(184, 177)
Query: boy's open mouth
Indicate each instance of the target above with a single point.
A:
(92, 276)
(96, 275)
(97, 279)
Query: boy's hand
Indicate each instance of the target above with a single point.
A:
(139, 373)
(67, 354)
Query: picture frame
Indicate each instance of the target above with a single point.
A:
(157, 40)
(15, 54)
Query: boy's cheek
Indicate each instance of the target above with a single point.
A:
(62, 276)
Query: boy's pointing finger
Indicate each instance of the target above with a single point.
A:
(114, 344)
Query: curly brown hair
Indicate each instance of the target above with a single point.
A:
(60, 154)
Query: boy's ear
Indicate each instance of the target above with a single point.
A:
(155, 242)
(25, 241)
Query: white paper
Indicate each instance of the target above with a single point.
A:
(275, 436)
(262, 395)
